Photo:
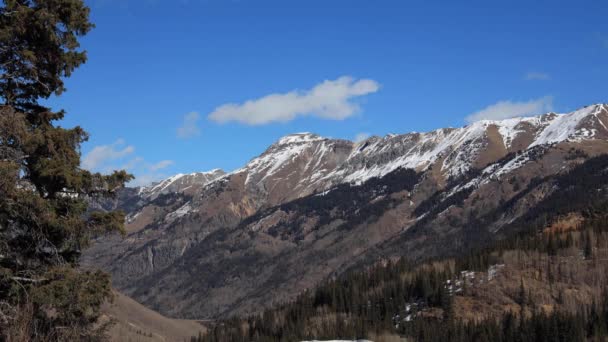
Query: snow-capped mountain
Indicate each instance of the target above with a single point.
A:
(457, 150)
(302, 163)
(309, 207)
(180, 183)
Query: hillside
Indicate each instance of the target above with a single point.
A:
(448, 301)
(136, 323)
(547, 281)
(310, 208)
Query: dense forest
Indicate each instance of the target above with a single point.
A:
(555, 251)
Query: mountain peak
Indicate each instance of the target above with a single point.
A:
(297, 138)
(181, 182)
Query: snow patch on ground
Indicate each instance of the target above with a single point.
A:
(133, 216)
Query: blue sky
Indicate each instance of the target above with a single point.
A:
(166, 81)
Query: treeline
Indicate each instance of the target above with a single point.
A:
(583, 191)
(559, 326)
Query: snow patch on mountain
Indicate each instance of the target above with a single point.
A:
(297, 138)
(509, 129)
(269, 163)
(181, 211)
(568, 126)
(459, 147)
(162, 185)
(180, 182)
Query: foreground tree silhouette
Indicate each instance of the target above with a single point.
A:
(44, 221)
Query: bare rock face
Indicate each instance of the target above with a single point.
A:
(214, 244)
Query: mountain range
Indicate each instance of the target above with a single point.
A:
(214, 244)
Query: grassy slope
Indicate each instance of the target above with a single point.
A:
(138, 323)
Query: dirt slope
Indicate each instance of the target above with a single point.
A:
(135, 322)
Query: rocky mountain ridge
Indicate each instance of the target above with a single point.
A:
(180, 183)
(334, 161)
(309, 207)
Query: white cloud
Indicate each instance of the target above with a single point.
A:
(132, 163)
(189, 127)
(99, 156)
(509, 109)
(361, 136)
(160, 165)
(537, 76)
(327, 100)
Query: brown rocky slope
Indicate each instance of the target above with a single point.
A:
(309, 208)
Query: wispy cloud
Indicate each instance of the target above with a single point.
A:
(146, 174)
(120, 156)
(132, 163)
(161, 165)
(509, 109)
(99, 156)
(361, 136)
(537, 76)
(189, 127)
(327, 100)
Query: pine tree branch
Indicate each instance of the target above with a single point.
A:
(28, 280)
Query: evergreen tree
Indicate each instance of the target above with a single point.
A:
(44, 221)
(521, 297)
(588, 250)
